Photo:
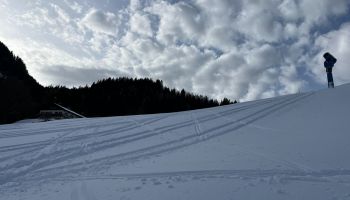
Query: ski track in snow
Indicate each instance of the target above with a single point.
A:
(34, 156)
(197, 126)
(319, 176)
(196, 122)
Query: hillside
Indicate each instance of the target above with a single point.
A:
(289, 147)
(24, 97)
(20, 93)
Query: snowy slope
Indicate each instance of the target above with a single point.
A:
(289, 147)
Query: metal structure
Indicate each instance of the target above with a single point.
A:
(57, 111)
(329, 64)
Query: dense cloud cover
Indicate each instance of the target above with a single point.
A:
(235, 48)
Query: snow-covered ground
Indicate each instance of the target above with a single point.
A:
(289, 147)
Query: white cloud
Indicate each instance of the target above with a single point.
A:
(290, 31)
(290, 81)
(259, 22)
(4, 3)
(36, 18)
(180, 22)
(135, 5)
(51, 20)
(100, 21)
(319, 12)
(140, 23)
(71, 76)
(290, 10)
(61, 14)
(73, 5)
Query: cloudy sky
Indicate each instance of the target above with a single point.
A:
(241, 49)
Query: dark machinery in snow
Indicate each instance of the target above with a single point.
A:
(329, 64)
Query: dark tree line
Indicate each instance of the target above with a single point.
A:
(20, 94)
(22, 97)
(126, 96)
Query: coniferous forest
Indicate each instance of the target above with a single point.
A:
(23, 97)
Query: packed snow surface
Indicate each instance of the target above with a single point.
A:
(290, 147)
